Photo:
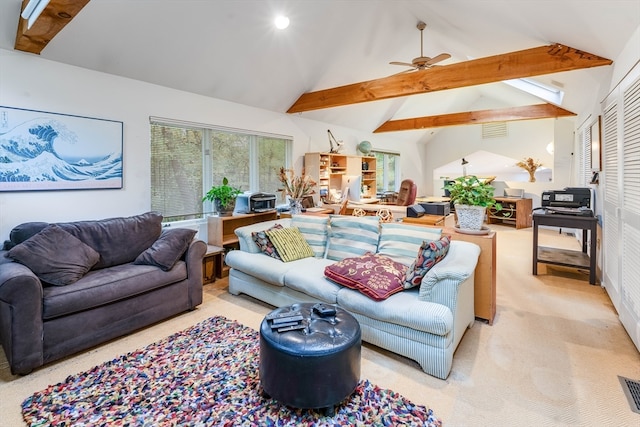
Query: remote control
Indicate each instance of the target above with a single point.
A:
(324, 310)
(272, 316)
(292, 328)
(284, 325)
(288, 319)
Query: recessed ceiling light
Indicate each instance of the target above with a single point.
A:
(282, 22)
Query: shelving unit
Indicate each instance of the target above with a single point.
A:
(327, 170)
(514, 211)
(369, 176)
(221, 230)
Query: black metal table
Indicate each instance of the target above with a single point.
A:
(565, 257)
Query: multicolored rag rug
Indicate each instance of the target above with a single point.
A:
(206, 375)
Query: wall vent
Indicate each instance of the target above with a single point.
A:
(494, 130)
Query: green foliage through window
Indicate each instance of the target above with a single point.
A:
(187, 160)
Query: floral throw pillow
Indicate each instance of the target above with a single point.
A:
(264, 243)
(376, 276)
(430, 253)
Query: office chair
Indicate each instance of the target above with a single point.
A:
(407, 193)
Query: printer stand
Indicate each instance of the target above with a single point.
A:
(564, 257)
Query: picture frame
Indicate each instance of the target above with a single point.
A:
(596, 145)
(41, 150)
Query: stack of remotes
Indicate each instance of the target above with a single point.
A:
(286, 321)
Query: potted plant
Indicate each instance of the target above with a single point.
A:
(223, 196)
(471, 198)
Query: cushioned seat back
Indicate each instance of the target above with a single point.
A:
(407, 193)
(117, 240)
(22, 232)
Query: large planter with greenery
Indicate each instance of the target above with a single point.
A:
(224, 197)
(471, 198)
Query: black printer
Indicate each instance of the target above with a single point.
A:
(570, 197)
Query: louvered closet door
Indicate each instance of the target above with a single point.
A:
(622, 201)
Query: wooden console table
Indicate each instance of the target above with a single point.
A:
(514, 211)
(565, 257)
(485, 274)
(221, 231)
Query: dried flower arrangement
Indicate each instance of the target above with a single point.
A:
(530, 166)
(295, 187)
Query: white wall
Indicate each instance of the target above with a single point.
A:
(527, 138)
(28, 81)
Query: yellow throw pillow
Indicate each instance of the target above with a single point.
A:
(290, 243)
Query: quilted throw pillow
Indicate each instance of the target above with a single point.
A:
(55, 256)
(429, 254)
(374, 275)
(264, 243)
(290, 244)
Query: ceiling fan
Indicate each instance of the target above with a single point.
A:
(422, 62)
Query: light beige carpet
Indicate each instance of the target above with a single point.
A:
(551, 357)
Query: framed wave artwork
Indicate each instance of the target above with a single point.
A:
(51, 151)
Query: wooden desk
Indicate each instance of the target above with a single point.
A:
(565, 257)
(315, 212)
(426, 220)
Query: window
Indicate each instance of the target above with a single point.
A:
(187, 159)
(387, 171)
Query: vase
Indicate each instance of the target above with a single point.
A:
(470, 217)
(532, 176)
(225, 210)
(295, 206)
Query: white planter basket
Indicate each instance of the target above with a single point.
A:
(470, 217)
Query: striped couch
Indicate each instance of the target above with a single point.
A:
(424, 323)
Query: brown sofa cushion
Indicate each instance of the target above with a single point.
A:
(55, 256)
(117, 240)
(168, 249)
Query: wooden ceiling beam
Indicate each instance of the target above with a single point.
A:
(530, 112)
(51, 21)
(524, 63)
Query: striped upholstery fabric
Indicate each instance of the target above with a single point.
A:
(289, 243)
(401, 242)
(351, 236)
(315, 231)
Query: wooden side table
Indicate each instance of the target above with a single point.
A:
(212, 264)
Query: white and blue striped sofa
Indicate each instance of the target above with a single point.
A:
(425, 323)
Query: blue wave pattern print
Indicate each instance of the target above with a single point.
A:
(28, 154)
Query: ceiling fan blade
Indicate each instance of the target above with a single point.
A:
(405, 64)
(438, 58)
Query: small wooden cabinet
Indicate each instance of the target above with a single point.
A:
(514, 211)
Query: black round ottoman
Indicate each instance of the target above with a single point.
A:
(316, 366)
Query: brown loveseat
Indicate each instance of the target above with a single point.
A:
(69, 286)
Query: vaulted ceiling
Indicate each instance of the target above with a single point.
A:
(230, 50)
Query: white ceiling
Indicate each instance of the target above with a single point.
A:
(229, 49)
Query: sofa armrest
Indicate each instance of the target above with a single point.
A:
(193, 257)
(21, 327)
(441, 283)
